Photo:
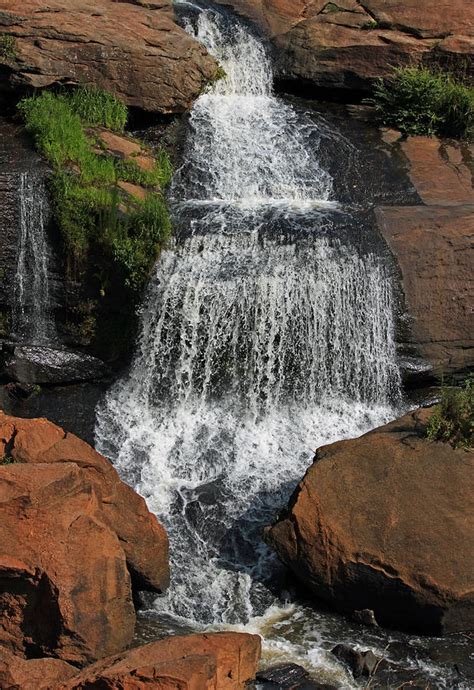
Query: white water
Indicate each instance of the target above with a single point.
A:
(32, 305)
(259, 343)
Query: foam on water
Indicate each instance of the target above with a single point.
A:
(257, 346)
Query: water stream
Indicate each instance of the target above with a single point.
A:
(267, 331)
(32, 305)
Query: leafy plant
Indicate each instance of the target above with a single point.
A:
(7, 460)
(419, 101)
(453, 419)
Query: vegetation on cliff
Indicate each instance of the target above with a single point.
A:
(453, 419)
(89, 207)
(419, 101)
(112, 231)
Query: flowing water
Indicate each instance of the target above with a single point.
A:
(267, 331)
(32, 305)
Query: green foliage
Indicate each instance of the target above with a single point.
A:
(453, 419)
(7, 47)
(97, 108)
(92, 213)
(418, 101)
(7, 460)
(139, 237)
(56, 128)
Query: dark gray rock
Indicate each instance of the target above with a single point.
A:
(360, 663)
(44, 365)
(288, 677)
(366, 617)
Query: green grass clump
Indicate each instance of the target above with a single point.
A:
(97, 108)
(453, 419)
(92, 213)
(418, 101)
(7, 47)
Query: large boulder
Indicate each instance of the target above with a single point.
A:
(74, 540)
(386, 522)
(134, 50)
(346, 44)
(226, 661)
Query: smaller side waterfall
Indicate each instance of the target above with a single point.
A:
(32, 304)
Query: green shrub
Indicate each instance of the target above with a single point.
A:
(453, 419)
(418, 101)
(97, 108)
(89, 209)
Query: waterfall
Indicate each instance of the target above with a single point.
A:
(32, 305)
(267, 330)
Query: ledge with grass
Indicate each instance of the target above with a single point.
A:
(107, 191)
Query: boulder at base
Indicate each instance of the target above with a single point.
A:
(218, 661)
(133, 50)
(74, 539)
(386, 522)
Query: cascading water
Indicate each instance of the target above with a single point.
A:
(32, 305)
(267, 331)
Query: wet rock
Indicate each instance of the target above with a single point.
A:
(289, 676)
(74, 539)
(119, 46)
(346, 44)
(199, 662)
(40, 364)
(366, 617)
(32, 674)
(377, 546)
(360, 663)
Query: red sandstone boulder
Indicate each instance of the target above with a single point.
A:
(346, 44)
(134, 50)
(142, 538)
(32, 674)
(73, 537)
(386, 522)
(217, 661)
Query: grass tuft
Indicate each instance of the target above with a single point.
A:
(97, 108)
(453, 419)
(419, 101)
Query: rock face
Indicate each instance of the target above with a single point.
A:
(347, 43)
(74, 539)
(386, 522)
(133, 50)
(218, 661)
(433, 246)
